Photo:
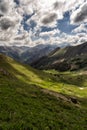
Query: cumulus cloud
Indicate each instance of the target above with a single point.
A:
(49, 18)
(9, 20)
(79, 29)
(58, 5)
(6, 23)
(16, 17)
(50, 33)
(80, 14)
(4, 7)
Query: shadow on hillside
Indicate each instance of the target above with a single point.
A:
(66, 79)
(33, 88)
(77, 80)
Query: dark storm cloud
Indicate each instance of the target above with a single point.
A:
(6, 23)
(81, 15)
(4, 7)
(49, 18)
(1, 15)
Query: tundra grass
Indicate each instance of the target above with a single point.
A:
(24, 106)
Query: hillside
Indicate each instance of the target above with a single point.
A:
(29, 99)
(63, 59)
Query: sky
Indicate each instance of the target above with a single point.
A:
(33, 22)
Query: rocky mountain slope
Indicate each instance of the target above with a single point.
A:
(68, 58)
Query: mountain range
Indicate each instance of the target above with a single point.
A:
(27, 54)
(42, 99)
(63, 59)
(49, 56)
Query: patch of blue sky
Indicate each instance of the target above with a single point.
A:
(46, 29)
(45, 37)
(64, 24)
(30, 25)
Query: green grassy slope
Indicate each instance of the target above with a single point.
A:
(24, 105)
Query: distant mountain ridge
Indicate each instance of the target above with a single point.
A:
(62, 59)
(26, 54)
(13, 51)
(34, 53)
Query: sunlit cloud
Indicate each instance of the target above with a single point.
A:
(32, 22)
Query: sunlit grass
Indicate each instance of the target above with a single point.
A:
(66, 82)
(24, 106)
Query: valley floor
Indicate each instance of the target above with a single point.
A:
(41, 100)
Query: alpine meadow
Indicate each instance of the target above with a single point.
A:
(43, 65)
